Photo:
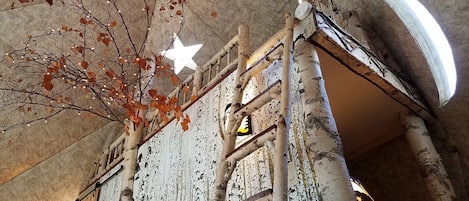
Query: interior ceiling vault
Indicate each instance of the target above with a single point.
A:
(51, 162)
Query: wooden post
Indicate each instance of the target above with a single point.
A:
(323, 144)
(280, 186)
(133, 139)
(429, 161)
(197, 81)
(225, 168)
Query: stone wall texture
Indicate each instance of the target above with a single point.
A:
(390, 172)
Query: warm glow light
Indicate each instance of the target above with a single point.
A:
(182, 56)
(432, 41)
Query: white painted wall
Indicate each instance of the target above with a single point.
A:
(177, 165)
(110, 189)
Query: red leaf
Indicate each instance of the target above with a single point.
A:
(152, 93)
(162, 8)
(111, 74)
(106, 41)
(48, 86)
(83, 21)
(78, 49)
(84, 64)
(91, 74)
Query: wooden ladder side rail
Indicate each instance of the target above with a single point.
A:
(280, 186)
(252, 144)
(259, 101)
(225, 169)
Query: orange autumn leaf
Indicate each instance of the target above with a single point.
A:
(121, 60)
(214, 14)
(101, 64)
(48, 86)
(83, 21)
(92, 76)
(20, 108)
(84, 64)
(152, 93)
(111, 74)
(194, 98)
(78, 49)
(113, 24)
(179, 12)
(178, 112)
(174, 79)
(185, 123)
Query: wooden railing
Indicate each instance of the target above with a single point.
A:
(221, 65)
(196, 85)
(106, 161)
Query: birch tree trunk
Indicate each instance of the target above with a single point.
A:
(429, 161)
(323, 143)
(280, 190)
(225, 168)
(133, 139)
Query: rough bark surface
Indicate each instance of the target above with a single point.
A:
(323, 142)
(429, 161)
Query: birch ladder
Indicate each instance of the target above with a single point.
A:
(277, 132)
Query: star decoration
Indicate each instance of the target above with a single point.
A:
(182, 56)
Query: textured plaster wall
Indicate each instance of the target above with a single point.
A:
(390, 172)
(61, 176)
(176, 165)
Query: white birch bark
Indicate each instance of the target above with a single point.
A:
(225, 168)
(280, 191)
(323, 143)
(130, 160)
(429, 161)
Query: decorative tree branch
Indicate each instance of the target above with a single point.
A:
(95, 66)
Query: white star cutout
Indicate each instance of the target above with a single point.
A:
(182, 56)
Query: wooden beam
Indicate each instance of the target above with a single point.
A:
(361, 61)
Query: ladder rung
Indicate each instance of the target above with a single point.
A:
(263, 195)
(253, 144)
(259, 101)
